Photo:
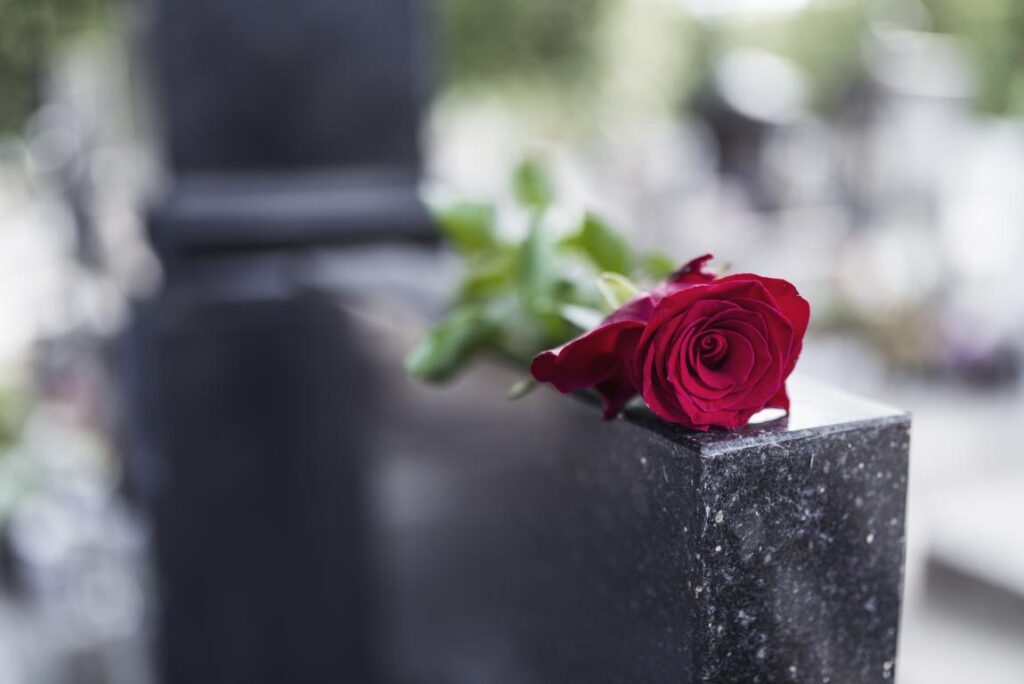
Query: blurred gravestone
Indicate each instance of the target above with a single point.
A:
(287, 84)
(287, 125)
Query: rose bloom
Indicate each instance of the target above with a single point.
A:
(702, 351)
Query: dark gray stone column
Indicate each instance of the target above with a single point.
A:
(289, 127)
(534, 542)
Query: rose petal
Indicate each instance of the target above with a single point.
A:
(736, 367)
(712, 348)
(791, 306)
(780, 400)
(694, 271)
(761, 382)
(595, 359)
(615, 393)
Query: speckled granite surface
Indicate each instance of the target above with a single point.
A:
(536, 543)
(799, 556)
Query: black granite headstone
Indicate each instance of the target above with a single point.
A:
(321, 517)
(533, 542)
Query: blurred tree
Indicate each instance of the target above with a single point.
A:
(14, 405)
(30, 32)
(538, 41)
(994, 33)
(823, 40)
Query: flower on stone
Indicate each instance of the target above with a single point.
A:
(703, 351)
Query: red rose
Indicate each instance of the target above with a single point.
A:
(702, 351)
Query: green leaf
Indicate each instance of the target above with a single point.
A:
(521, 389)
(616, 289)
(451, 345)
(468, 226)
(538, 269)
(582, 317)
(657, 266)
(488, 275)
(532, 185)
(603, 245)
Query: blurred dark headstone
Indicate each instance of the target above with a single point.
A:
(273, 85)
(288, 127)
(288, 123)
(261, 517)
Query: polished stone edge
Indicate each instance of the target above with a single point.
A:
(817, 410)
(887, 421)
(670, 433)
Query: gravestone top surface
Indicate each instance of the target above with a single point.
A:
(816, 409)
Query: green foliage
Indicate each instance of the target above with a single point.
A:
(14, 404)
(518, 297)
(826, 41)
(468, 226)
(30, 32)
(537, 268)
(993, 32)
(548, 43)
(657, 266)
(521, 389)
(451, 344)
(532, 185)
(602, 245)
(616, 289)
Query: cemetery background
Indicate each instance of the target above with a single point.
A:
(869, 152)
